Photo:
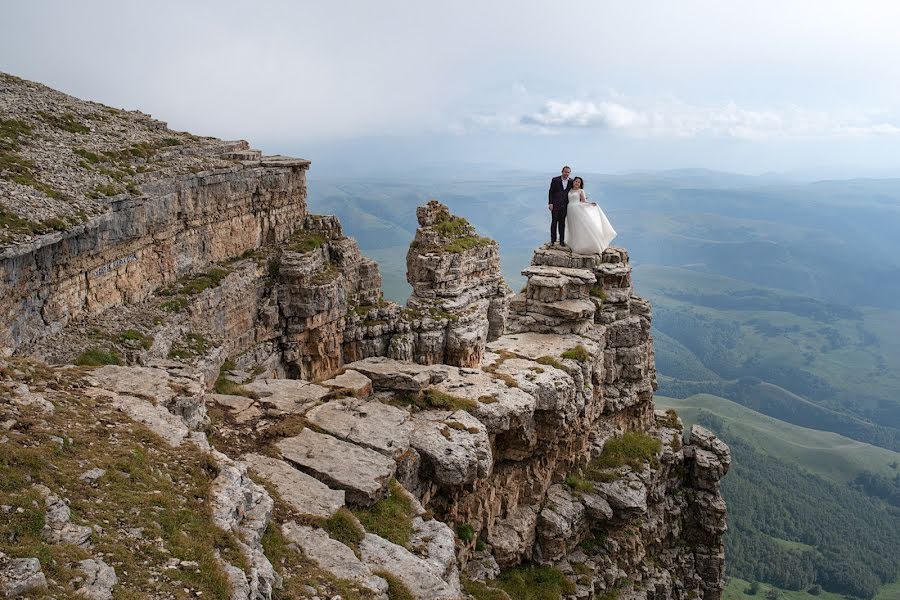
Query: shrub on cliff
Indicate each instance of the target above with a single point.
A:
(95, 357)
(633, 449)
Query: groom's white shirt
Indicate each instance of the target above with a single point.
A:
(565, 182)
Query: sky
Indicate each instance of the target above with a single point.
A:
(365, 87)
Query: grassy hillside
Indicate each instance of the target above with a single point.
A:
(794, 520)
(829, 455)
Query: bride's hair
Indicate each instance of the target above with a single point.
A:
(579, 179)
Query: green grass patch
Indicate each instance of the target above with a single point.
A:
(11, 133)
(550, 362)
(481, 591)
(535, 583)
(188, 346)
(633, 449)
(87, 155)
(579, 483)
(342, 527)
(224, 385)
(135, 337)
(391, 517)
(432, 399)
(67, 122)
(95, 357)
(148, 485)
(20, 170)
(460, 245)
(597, 291)
(465, 532)
(397, 590)
(175, 305)
(305, 241)
(578, 353)
(190, 285)
(109, 190)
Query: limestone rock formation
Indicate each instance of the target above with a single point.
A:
(459, 299)
(379, 447)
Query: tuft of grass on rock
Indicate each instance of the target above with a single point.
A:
(133, 335)
(550, 362)
(305, 241)
(391, 517)
(578, 353)
(188, 346)
(66, 122)
(95, 357)
(535, 583)
(481, 591)
(226, 386)
(397, 590)
(598, 292)
(579, 483)
(465, 532)
(174, 305)
(342, 526)
(633, 449)
(434, 399)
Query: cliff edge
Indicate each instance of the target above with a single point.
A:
(234, 410)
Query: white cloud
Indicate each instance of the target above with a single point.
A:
(670, 118)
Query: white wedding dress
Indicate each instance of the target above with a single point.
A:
(588, 231)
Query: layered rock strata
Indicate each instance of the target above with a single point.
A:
(484, 427)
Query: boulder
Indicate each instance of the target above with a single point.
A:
(394, 375)
(455, 445)
(353, 381)
(20, 576)
(513, 537)
(98, 579)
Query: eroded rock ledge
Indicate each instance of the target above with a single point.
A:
(429, 447)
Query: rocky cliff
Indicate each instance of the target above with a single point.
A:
(251, 419)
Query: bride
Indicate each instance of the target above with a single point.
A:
(590, 232)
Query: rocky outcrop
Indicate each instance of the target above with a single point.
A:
(467, 432)
(20, 576)
(459, 299)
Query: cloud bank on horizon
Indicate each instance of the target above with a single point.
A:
(762, 84)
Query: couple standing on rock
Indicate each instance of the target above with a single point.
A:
(590, 232)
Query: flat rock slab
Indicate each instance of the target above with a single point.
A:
(500, 407)
(235, 403)
(293, 396)
(456, 444)
(421, 577)
(390, 374)
(333, 556)
(564, 275)
(375, 425)
(536, 345)
(307, 495)
(355, 382)
(552, 389)
(627, 494)
(361, 472)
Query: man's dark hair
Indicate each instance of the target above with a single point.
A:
(566, 167)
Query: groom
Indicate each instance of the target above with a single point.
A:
(558, 200)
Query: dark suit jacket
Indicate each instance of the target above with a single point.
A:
(557, 196)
